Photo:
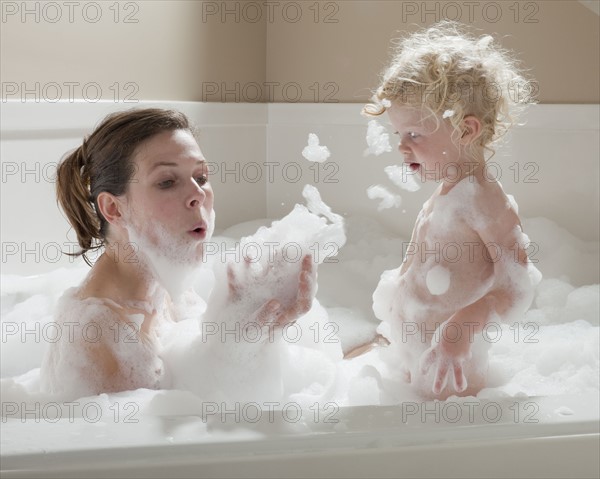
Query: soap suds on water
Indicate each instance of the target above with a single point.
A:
(550, 350)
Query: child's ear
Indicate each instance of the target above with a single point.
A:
(471, 129)
(110, 207)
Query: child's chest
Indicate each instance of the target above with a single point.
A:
(443, 223)
(448, 260)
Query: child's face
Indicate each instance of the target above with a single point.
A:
(170, 202)
(427, 147)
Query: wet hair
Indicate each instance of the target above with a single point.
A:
(452, 73)
(104, 163)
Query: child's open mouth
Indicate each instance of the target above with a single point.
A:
(414, 166)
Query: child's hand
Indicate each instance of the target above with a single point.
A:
(276, 312)
(448, 357)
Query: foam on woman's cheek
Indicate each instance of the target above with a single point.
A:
(171, 260)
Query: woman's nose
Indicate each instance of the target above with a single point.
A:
(197, 197)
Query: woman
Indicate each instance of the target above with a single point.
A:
(137, 188)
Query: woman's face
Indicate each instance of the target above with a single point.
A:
(169, 203)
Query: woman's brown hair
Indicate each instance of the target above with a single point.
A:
(104, 162)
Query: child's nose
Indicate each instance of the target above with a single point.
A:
(403, 147)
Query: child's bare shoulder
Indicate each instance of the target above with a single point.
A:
(496, 211)
(484, 205)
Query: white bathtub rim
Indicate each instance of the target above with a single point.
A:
(365, 427)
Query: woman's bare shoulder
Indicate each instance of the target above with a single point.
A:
(76, 303)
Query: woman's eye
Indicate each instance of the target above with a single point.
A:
(201, 180)
(166, 184)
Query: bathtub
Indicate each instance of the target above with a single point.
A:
(378, 442)
(261, 175)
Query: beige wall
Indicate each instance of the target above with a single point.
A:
(271, 51)
(169, 54)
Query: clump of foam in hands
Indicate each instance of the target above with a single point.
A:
(261, 267)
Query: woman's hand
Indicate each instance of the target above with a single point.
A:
(276, 312)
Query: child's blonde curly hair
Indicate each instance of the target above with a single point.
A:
(452, 74)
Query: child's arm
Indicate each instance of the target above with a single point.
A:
(453, 339)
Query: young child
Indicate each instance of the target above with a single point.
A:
(449, 96)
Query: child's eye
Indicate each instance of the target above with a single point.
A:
(201, 180)
(410, 134)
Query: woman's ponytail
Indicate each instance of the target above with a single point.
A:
(73, 195)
